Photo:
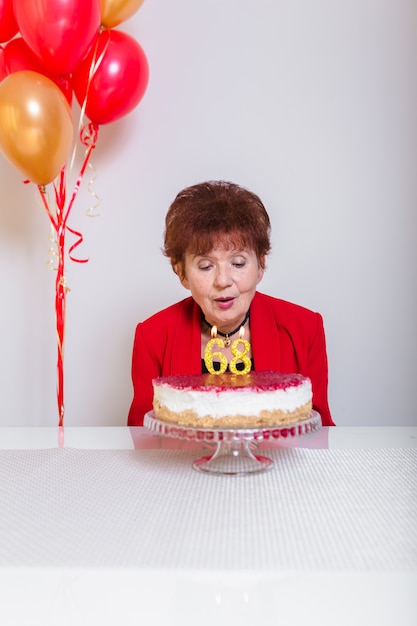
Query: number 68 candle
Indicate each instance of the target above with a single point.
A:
(238, 354)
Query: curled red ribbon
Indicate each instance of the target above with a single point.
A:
(89, 134)
(88, 137)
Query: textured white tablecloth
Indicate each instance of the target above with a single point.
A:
(316, 510)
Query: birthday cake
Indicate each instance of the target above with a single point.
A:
(255, 399)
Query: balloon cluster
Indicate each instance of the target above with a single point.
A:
(50, 50)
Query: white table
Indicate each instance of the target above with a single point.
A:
(113, 526)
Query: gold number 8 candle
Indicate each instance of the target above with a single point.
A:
(241, 355)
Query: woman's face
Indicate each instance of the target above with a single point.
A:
(223, 283)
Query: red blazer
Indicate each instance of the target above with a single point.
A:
(284, 337)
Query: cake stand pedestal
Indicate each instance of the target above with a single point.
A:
(235, 453)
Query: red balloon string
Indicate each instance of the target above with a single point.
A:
(42, 192)
(79, 241)
(60, 293)
(88, 137)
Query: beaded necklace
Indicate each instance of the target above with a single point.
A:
(226, 336)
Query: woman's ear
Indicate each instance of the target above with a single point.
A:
(261, 273)
(261, 269)
(184, 282)
(180, 272)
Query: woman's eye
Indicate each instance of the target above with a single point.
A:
(239, 264)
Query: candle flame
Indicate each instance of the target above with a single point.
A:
(214, 331)
(241, 332)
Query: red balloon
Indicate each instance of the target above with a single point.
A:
(8, 25)
(59, 32)
(3, 65)
(119, 81)
(19, 56)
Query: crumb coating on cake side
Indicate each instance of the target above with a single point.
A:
(264, 419)
(252, 400)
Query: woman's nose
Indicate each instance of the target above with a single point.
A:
(223, 277)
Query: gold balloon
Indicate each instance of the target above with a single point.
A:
(113, 12)
(36, 129)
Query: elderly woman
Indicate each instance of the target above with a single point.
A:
(217, 237)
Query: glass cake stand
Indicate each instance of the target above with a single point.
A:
(234, 453)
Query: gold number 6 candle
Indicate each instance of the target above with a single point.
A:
(208, 354)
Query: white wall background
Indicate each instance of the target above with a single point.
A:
(311, 104)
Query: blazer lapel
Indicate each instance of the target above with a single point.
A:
(265, 338)
(186, 345)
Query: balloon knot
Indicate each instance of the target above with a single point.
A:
(89, 135)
